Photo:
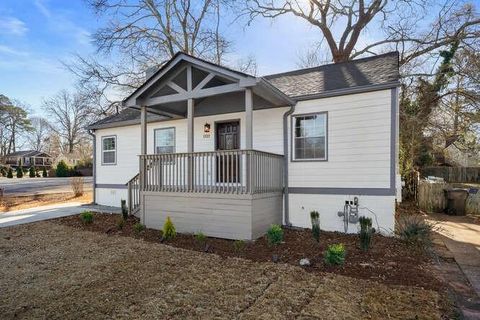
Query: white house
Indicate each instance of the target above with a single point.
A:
(229, 154)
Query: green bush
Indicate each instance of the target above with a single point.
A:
(275, 234)
(414, 231)
(3, 172)
(123, 205)
(169, 230)
(138, 227)
(366, 232)
(120, 223)
(10, 173)
(315, 218)
(335, 254)
(62, 169)
(86, 217)
(19, 172)
(200, 238)
(44, 173)
(239, 245)
(32, 172)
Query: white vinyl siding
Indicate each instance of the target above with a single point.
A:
(359, 134)
(109, 150)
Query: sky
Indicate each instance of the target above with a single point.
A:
(36, 36)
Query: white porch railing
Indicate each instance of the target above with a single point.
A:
(232, 171)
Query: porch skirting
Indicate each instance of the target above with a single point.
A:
(230, 216)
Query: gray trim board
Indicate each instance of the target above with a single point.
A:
(94, 164)
(393, 136)
(344, 191)
(111, 186)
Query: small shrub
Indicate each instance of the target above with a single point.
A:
(335, 254)
(200, 238)
(86, 217)
(138, 227)
(10, 173)
(44, 173)
(414, 231)
(315, 218)
(275, 234)
(366, 232)
(169, 229)
(52, 172)
(120, 223)
(19, 172)
(123, 205)
(32, 172)
(77, 186)
(239, 245)
(3, 172)
(62, 169)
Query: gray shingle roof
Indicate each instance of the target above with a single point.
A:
(25, 153)
(302, 83)
(126, 116)
(375, 70)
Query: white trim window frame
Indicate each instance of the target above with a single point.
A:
(109, 147)
(164, 140)
(310, 137)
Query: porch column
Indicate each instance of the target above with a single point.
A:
(190, 143)
(248, 119)
(143, 129)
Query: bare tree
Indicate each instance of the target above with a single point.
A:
(342, 24)
(69, 115)
(13, 122)
(146, 33)
(39, 136)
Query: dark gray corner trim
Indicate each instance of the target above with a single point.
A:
(111, 186)
(341, 92)
(393, 137)
(344, 191)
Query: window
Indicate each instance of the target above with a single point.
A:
(109, 150)
(310, 137)
(165, 140)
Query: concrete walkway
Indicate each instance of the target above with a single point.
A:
(461, 236)
(12, 218)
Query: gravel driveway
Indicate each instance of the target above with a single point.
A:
(52, 271)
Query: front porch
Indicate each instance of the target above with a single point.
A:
(227, 189)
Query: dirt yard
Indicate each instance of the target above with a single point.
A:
(12, 202)
(54, 271)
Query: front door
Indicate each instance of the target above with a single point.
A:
(227, 138)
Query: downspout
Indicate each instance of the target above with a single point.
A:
(94, 162)
(286, 157)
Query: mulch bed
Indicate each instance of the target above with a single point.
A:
(388, 261)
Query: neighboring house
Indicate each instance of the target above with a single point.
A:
(229, 154)
(456, 157)
(70, 159)
(28, 159)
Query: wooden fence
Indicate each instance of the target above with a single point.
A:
(454, 174)
(431, 196)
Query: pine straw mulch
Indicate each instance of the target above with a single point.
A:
(389, 261)
(52, 271)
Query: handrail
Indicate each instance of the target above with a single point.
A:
(222, 171)
(133, 186)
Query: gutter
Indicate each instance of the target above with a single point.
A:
(94, 162)
(285, 171)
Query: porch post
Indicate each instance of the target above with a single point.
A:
(249, 118)
(248, 136)
(143, 150)
(190, 142)
(143, 128)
